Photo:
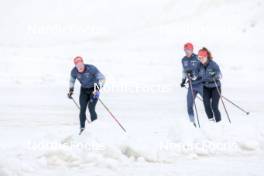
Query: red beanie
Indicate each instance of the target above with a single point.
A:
(188, 46)
(202, 53)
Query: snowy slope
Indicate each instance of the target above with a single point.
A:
(138, 46)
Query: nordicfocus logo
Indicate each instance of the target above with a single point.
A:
(44, 145)
(204, 147)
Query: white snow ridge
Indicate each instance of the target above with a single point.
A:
(138, 46)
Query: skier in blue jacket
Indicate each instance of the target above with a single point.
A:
(190, 65)
(91, 80)
(211, 75)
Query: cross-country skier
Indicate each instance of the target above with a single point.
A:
(91, 80)
(211, 75)
(190, 64)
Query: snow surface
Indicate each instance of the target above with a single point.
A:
(137, 44)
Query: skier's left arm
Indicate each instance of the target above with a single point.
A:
(216, 74)
(100, 78)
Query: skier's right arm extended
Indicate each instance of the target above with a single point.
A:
(183, 79)
(72, 82)
(184, 76)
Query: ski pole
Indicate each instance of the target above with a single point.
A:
(236, 105)
(222, 100)
(229, 101)
(112, 115)
(190, 84)
(75, 103)
(78, 107)
(200, 98)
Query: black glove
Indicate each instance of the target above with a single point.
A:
(212, 74)
(189, 73)
(183, 82)
(70, 93)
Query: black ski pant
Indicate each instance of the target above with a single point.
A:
(86, 99)
(211, 99)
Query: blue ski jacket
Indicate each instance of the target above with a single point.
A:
(191, 65)
(88, 78)
(210, 72)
